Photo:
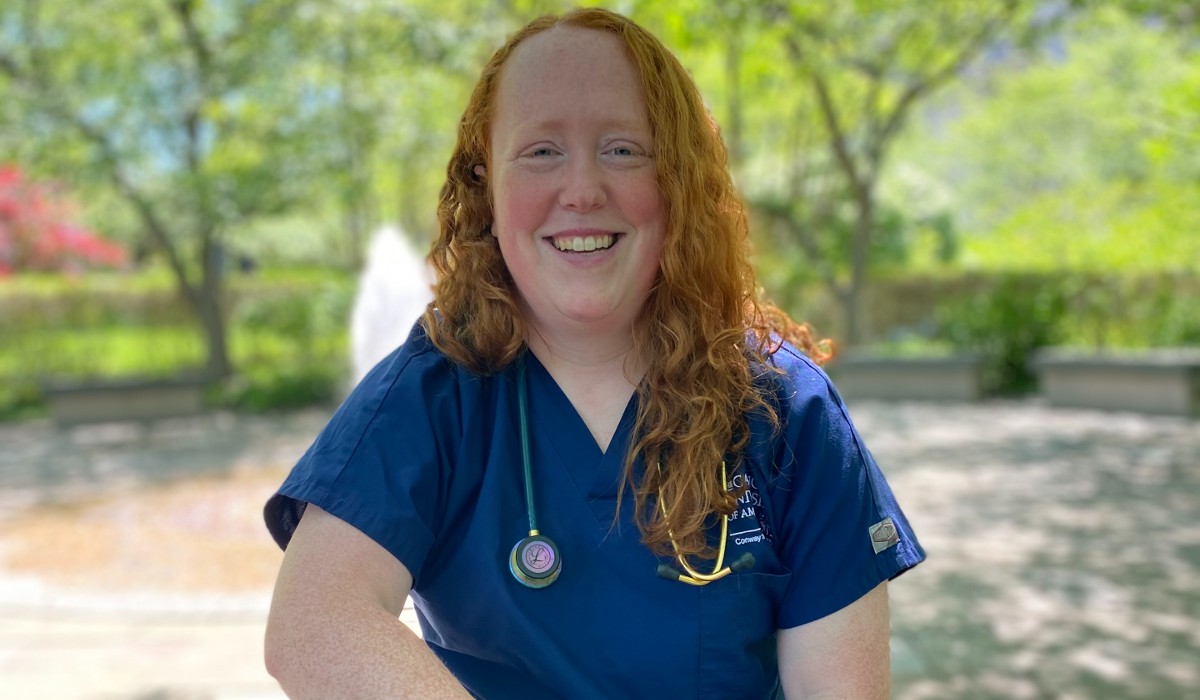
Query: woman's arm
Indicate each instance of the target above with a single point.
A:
(844, 655)
(333, 630)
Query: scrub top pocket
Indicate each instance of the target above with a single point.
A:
(737, 636)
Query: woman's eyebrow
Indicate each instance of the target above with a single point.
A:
(558, 124)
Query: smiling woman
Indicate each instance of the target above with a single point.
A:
(597, 364)
(570, 162)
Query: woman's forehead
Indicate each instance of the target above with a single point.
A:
(569, 71)
(565, 47)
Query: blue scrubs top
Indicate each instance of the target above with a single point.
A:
(425, 458)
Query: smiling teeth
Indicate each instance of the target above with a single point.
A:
(584, 244)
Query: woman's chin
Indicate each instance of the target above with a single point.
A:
(587, 314)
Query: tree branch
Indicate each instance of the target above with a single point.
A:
(54, 102)
(798, 232)
(9, 67)
(939, 76)
(183, 9)
(158, 229)
(279, 13)
(202, 57)
(837, 140)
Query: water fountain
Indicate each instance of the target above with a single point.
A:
(393, 290)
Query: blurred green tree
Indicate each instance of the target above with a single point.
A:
(206, 118)
(181, 106)
(827, 87)
(397, 75)
(1181, 15)
(1082, 153)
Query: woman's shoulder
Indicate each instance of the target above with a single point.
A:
(806, 406)
(416, 373)
(416, 359)
(794, 379)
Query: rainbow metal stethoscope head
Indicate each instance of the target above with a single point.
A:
(535, 560)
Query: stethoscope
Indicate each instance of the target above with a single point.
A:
(535, 560)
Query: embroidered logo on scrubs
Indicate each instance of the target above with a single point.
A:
(746, 525)
(884, 535)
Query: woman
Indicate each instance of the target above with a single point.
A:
(702, 519)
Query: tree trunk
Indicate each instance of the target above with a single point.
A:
(212, 321)
(860, 259)
(208, 303)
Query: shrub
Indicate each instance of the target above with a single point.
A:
(36, 231)
(288, 335)
(1005, 325)
(274, 387)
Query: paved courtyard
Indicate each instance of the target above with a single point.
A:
(1064, 553)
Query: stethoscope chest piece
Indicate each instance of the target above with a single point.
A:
(535, 561)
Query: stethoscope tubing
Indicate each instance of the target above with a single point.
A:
(545, 576)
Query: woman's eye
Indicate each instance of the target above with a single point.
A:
(623, 151)
(542, 152)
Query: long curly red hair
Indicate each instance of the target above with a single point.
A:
(705, 331)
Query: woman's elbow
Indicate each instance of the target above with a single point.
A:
(284, 654)
(275, 657)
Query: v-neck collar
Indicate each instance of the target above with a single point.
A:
(596, 473)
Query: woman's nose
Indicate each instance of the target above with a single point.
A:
(583, 189)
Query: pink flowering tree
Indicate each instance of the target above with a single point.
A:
(37, 233)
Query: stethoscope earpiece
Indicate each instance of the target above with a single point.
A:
(746, 561)
(689, 575)
(670, 573)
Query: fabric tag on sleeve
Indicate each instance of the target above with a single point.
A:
(884, 535)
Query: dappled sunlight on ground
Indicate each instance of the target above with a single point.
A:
(134, 556)
(192, 535)
(1064, 556)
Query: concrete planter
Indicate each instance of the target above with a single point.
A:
(132, 399)
(1165, 381)
(866, 376)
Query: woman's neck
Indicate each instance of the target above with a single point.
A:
(597, 372)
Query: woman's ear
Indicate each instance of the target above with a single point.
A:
(480, 171)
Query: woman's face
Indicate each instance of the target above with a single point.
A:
(576, 204)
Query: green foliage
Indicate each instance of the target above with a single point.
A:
(39, 349)
(278, 387)
(289, 336)
(288, 321)
(292, 345)
(1006, 317)
(826, 88)
(1096, 227)
(1082, 153)
(1177, 323)
(1005, 325)
(308, 121)
(1126, 311)
(21, 400)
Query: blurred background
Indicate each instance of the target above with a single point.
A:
(188, 190)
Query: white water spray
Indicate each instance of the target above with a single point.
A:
(393, 290)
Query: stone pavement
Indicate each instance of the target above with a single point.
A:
(1064, 553)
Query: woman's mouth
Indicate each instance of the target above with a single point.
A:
(584, 244)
